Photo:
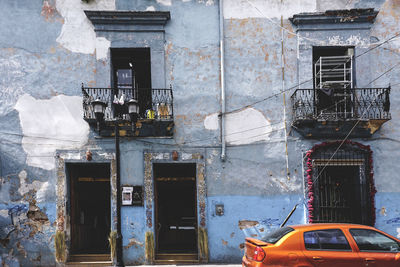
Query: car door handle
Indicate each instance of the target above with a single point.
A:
(369, 259)
(317, 258)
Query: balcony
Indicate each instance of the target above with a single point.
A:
(154, 119)
(321, 113)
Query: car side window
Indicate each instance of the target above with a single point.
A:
(370, 240)
(329, 239)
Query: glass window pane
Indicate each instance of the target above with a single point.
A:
(330, 239)
(276, 235)
(311, 240)
(369, 240)
(124, 78)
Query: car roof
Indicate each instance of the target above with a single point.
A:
(317, 226)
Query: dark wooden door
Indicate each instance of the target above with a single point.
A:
(90, 213)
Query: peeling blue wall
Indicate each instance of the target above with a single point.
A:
(252, 184)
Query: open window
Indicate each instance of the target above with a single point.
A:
(333, 69)
(131, 76)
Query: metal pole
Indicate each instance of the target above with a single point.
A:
(222, 73)
(119, 261)
(290, 214)
(284, 101)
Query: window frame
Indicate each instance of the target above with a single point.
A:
(377, 232)
(352, 153)
(138, 61)
(347, 249)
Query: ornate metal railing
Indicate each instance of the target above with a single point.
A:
(154, 104)
(342, 104)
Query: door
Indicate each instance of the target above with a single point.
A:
(90, 208)
(376, 249)
(176, 214)
(329, 247)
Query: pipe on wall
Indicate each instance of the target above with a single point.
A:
(222, 74)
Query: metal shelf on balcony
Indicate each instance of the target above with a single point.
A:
(333, 72)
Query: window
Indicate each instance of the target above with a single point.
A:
(331, 239)
(369, 240)
(342, 184)
(276, 235)
(333, 80)
(131, 77)
(339, 194)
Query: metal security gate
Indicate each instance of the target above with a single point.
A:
(341, 185)
(339, 194)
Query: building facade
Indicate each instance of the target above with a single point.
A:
(169, 130)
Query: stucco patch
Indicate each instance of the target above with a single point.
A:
(50, 124)
(211, 122)
(243, 127)
(14, 72)
(102, 46)
(355, 40)
(77, 33)
(242, 9)
(4, 213)
(150, 8)
(41, 193)
(164, 2)
(247, 126)
(24, 187)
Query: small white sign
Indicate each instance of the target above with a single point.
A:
(127, 195)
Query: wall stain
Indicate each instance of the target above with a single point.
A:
(47, 10)
(383, 211)
(247, 224)
(133, 243)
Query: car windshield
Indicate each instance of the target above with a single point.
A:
(275, 235)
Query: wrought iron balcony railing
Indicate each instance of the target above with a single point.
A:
(341, 104)
(154, 104)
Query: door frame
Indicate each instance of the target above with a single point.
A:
(64, 157)
(74, 195)
(175, 156)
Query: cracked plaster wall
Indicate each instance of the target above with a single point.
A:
(48, 48)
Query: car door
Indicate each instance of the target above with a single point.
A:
(329, 247)
(376, 249)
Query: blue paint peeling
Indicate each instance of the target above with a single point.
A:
(133, 230)
(387, 212)
(251, 185)
(18, 209)
(50, 210)
(267, 213)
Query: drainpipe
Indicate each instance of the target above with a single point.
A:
(118, 260)
(222, 74)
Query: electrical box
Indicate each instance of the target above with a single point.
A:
(132, 195)
(219, 209)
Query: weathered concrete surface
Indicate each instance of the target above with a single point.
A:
(48, 48)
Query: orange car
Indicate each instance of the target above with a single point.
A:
(338, 245)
